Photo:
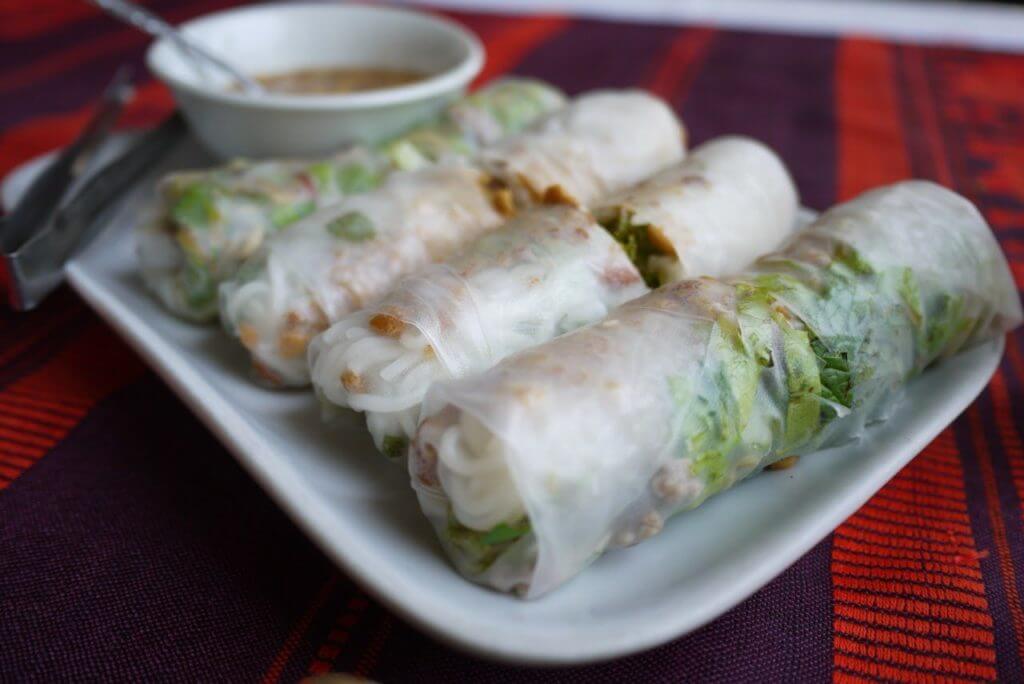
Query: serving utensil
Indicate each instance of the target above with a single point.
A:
(46, 226)
(43, 196)
(147, 21)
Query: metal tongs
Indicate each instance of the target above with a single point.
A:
(47, 225)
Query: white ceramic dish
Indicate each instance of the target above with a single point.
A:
(362, 512)
(276, 38)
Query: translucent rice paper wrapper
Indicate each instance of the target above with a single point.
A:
(346, 257)
(730, 201)
(304, 282)
(600, 143)
(540, 276)
(531, 470)
(208, 222)
(545, 272)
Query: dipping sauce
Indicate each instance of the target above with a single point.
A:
(335, 80)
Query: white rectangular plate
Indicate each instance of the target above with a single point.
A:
(361, 511)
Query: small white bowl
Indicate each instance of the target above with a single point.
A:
(276, 38)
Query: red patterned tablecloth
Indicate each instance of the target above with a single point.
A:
(133, 547)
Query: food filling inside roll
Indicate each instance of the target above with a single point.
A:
(593, 440)
(645, 244)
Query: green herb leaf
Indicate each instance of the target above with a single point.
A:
(636, 242)
(850, 258)
(501, 533)
(836, 380)
(713, 466)
(435, 141)
(404, 156)
(290, 213)
(944, 321)
(322, 174)
(197, 206)
(198, 286)
(394, 446)
(356, 178)
(910, 292)
(803, 382)
(354, 226)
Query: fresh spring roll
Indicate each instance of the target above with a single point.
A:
(545, 273)
(345, 257)
(306, 279)
(603, 142)
(591, 441)
(728, 203)
(207, 222)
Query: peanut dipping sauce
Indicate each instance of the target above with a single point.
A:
(334, 80)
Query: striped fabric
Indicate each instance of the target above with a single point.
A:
(133, 547)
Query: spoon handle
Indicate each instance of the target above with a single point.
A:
(147, 21)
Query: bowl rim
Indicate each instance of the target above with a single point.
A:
(442, 82)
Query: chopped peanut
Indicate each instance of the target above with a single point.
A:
(556, 194)
(783, 311)
(249, 336)
(535, 194)
(783, 463)
(386, 325)
(659, 241)
(293, 343)
(674, 483)
(503, 202)
(650, 525)
(489, 182)
(352, 381)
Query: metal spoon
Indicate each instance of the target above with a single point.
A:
(145, 20)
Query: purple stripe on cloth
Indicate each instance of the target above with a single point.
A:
(593, 54)
(953, 150)
(138, 550)
(780, 90)
(351, 641)
(1008, 663)
(924, 162)
(776, 635)
(93, 27)
(1015, 388)
(335, 632)
(1009, 501)
(76, 87)
(36, 353)
(79, 82)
